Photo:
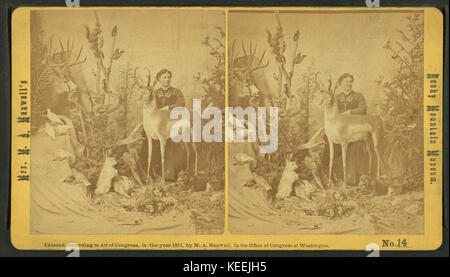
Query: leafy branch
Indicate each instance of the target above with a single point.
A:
(278, 47)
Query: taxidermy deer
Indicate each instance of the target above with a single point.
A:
(157, 125)
(66, 64)
(344, 129)
(247, 82)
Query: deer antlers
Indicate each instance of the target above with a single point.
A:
(328, 80)
(148, 83)
(246, 58)
(64, 54)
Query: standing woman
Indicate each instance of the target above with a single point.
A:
(167, 98)
(350, 102)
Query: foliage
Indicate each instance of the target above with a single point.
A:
(307, 93)
(100, 128)
(214, 84)
(42, 76)
(127, 87)
(104, 130)
(96, 41)
(212, 155)
(287, 137)
(278, 47)
(402, 109)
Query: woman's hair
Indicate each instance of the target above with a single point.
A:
(344, 76)
(161, 72)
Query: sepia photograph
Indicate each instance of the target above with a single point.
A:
(227, 129)
(348, 86)
(104, 84)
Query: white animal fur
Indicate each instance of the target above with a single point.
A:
(106, 174)
(288, 177)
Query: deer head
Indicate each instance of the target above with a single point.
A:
(241, 68)
(62, 60)
(66, 64)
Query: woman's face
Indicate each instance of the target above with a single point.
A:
(165, 79)
(347, 84)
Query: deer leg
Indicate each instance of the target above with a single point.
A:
(194, 146)
(330, 167)
(344, 147)
(149, 160)
(369, 153)
(375, 148)
(162, 143)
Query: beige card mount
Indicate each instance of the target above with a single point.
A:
(227, 128)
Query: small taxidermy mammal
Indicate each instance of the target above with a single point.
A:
(288, 177)
(106, 174)
(183, 177)
(304, 190)
(366, 185)
(122, 185)
(195, 182)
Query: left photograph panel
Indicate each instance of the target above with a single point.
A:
(108, 89)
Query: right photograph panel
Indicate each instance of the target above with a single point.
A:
(328, 138)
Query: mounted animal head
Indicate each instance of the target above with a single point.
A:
(64, 61)
(246, 80)
(66, 65)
